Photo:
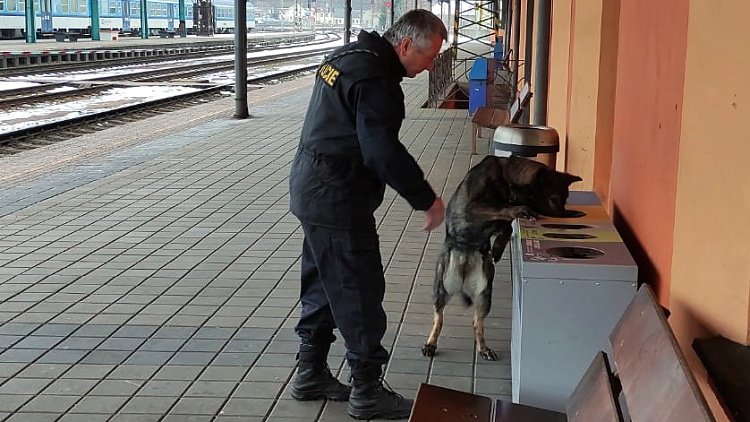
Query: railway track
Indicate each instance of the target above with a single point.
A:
(171, 52)
(92, 85)
(36, 136)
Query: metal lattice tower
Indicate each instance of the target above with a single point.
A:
(475, 24)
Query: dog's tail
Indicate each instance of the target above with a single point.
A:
(460, 263)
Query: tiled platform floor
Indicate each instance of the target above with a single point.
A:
(156, 279)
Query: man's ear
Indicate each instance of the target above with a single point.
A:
(404, 46)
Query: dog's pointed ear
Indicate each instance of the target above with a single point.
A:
(569, 179)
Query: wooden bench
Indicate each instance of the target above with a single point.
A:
(650, 377)
(491, 118)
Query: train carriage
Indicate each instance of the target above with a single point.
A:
(122, 15)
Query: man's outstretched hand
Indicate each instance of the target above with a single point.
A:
(434, 216)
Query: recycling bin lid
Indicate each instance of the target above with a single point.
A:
(525, 139)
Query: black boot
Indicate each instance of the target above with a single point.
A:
(314, 379)
(370, 399)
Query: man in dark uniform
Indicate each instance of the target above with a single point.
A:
(349, 150)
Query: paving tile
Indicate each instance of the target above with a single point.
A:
(24, 386)
(211, 389)
(15, 355)
(247, 407)
(70, 387)
(55, 330)
(106, 357)
(197, 406)
(89, 371)
(84, 417)
(10, 369)
(164, 388)
(49, 403)
(126, 417)
(222, 373)
(43, 370)
(262, 390)
(99, 404)
(63, 356)
(181, 372)
(295, 409)
(116, 388)
(149, 405)
(32, 417)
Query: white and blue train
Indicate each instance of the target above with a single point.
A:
(123, 15)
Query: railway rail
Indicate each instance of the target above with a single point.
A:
(24, 63)
(40, 135)
(93, 84)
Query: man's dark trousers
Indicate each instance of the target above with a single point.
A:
(343, 286)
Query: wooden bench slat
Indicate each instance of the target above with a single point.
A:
(656, 381)
(595, 397)
(514, 412)
(439, 404)
(490, 117)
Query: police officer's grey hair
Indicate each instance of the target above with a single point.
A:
(420, 25)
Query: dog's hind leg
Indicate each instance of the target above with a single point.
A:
(440, 298)
(430, 347)
(482, 308)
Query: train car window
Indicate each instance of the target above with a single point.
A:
(83, 7)
(11, 5)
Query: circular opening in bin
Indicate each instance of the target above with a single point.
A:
(574, 214)
(575, 252)
(569, 235)
(564, 226)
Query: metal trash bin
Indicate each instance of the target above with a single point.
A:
(540, 143)
(572, 280)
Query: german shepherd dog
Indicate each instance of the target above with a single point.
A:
(493, 193)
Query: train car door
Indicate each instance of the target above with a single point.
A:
(125, 16)
(171, 14)
(46, 15)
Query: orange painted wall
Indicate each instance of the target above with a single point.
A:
(647, 126)
(711, 264)
(559, 62)
(591, 90)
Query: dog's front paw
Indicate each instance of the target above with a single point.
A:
(488, 354)
(524, 212)
(429, 350)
